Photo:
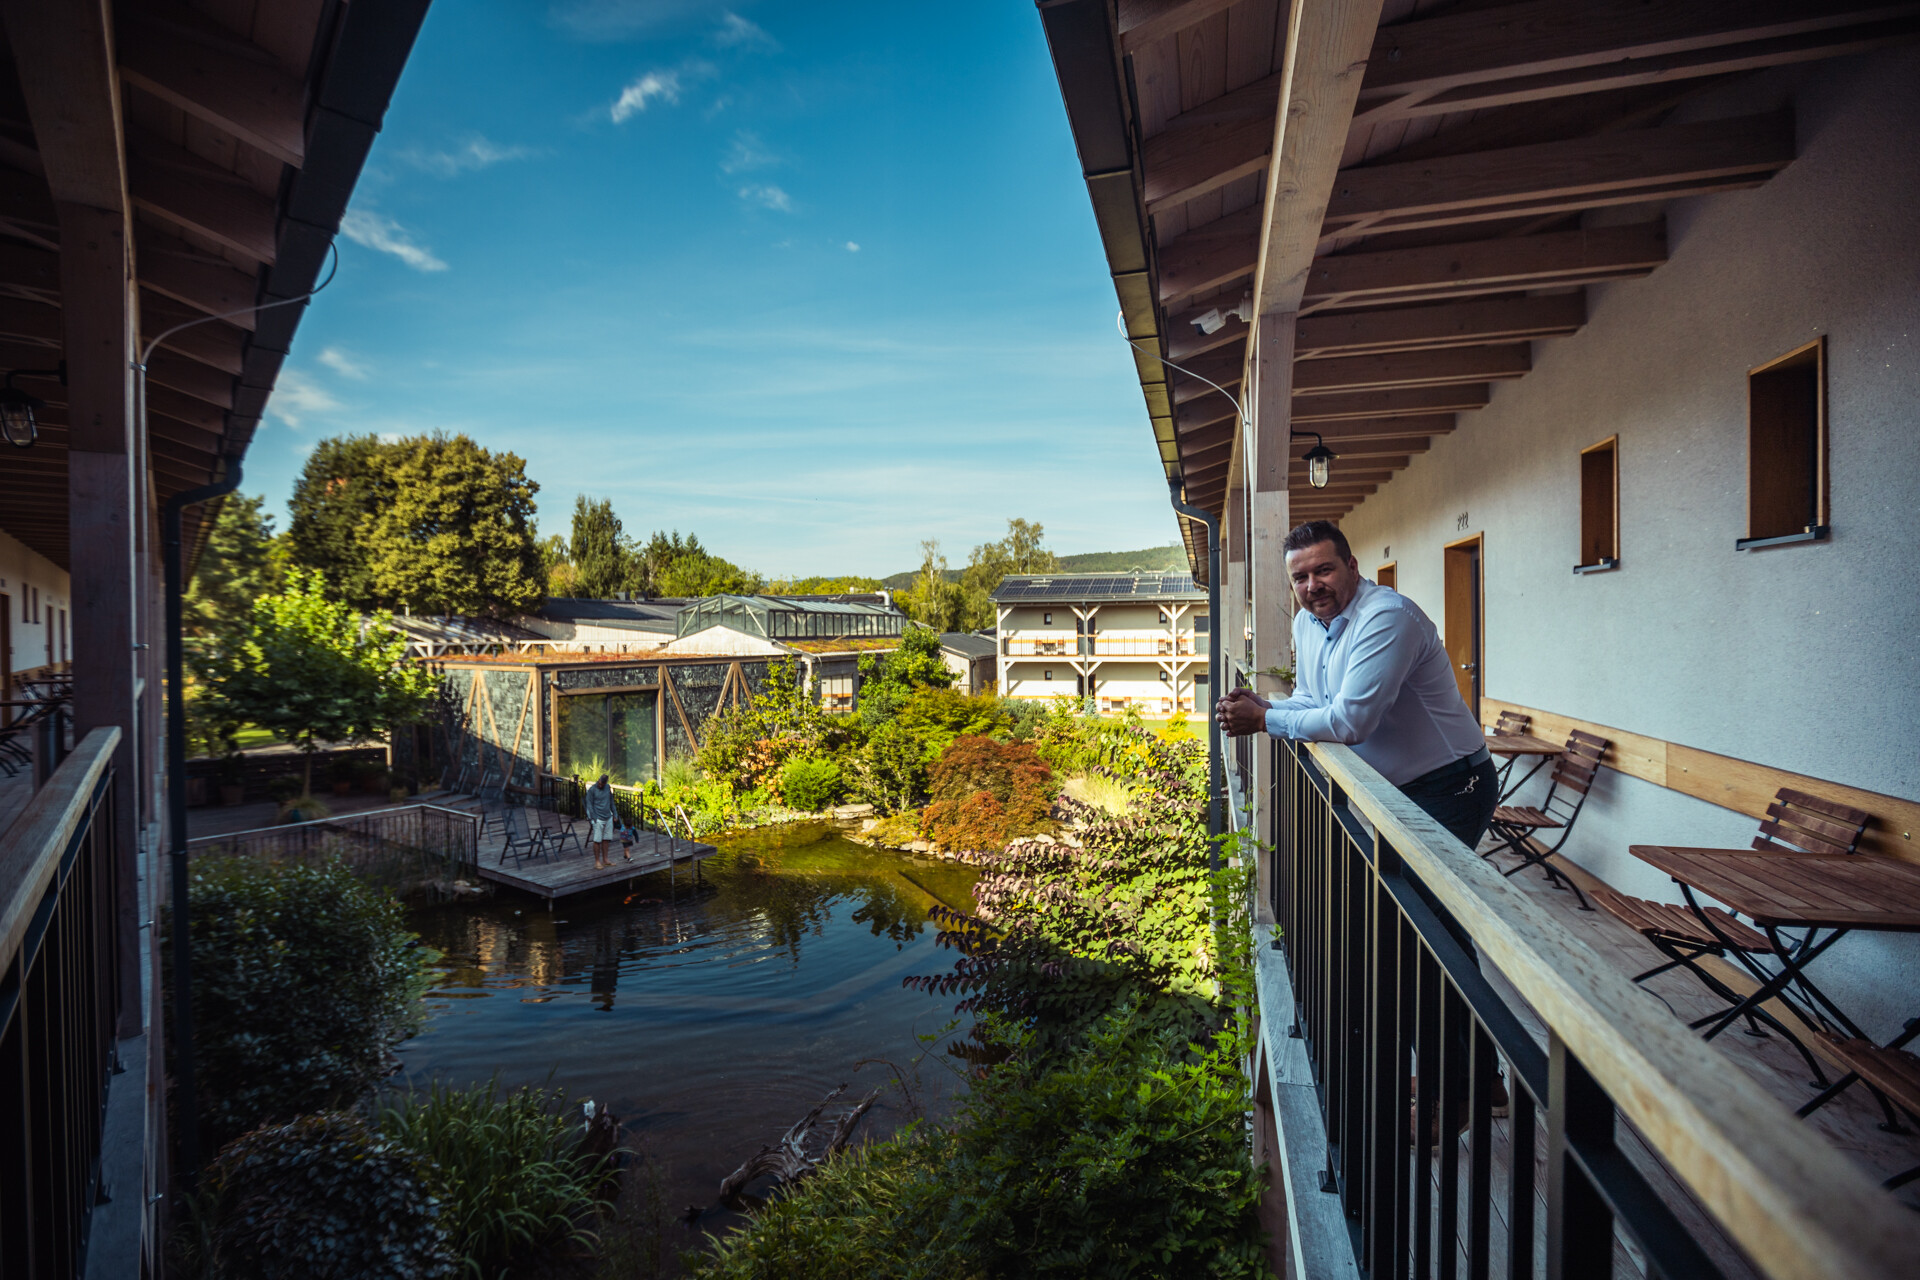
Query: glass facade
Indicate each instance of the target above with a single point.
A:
(610, 733)
(785, 618)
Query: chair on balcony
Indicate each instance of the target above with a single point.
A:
(557, 828)
(1511, 724)
(1889, 1071)
(521, 840)
(1517, 826)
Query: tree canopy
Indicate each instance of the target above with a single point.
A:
(345, 483)
(598, 550)
(967, 605)
(455, 535)
(310, 670)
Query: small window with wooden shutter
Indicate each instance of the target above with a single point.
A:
(1787, 449)
(1600, 507)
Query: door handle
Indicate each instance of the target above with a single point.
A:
(1468, 666)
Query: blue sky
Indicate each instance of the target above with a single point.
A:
(814, 281)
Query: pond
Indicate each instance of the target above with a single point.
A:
(708, 1018)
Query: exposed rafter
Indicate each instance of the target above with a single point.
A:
(1486, 266)
(1448, 325)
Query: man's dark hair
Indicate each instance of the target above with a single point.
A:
(1314, 532)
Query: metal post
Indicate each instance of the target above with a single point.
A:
(1216, 767)
(186, 1105)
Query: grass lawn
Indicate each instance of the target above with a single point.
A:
(253, 736)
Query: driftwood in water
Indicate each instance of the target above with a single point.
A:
(787, 1159)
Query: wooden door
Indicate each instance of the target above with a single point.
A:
(1388, 575)
(1465, 632)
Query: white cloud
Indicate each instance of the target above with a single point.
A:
(376, 231)
(737, 33)
(852, 247)
(342, 363)
(769, 197)
(473, 154)
(633, 99)
(603, 20)
(748, 152)
(295, 398)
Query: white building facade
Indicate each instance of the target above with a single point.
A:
(1115, 642)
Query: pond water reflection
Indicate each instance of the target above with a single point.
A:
(708, 1018)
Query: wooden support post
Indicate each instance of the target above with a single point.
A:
(1271, 360)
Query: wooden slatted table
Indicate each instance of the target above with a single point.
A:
(1522, 744)
(1826, 895)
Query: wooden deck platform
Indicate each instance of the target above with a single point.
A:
(573, 871)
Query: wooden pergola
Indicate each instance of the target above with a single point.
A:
(1431, 213)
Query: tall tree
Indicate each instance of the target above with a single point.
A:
(598, 548)
(705, 574)
(236, 567)
(346, 483)
(312, 670)
(456, 535)
(932, 599)
(1023, 550)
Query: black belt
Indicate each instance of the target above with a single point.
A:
(1464, 765)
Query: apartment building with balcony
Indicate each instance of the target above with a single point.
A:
(1116, 641)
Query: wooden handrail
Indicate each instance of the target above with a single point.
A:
(31, 848)
(1798, 1207)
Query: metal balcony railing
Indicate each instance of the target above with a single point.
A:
(1384, 922)
(59, 886)
(1065, 647)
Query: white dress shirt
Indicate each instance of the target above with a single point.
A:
(1377, 678)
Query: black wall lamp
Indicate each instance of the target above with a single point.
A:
(1319, 459)
(20, 412)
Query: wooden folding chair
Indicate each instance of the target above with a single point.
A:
(1799, 823)
(1889, 1071)
(1515, 826)
(1511, 724)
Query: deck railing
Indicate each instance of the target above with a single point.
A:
(1379, 914)
(399, 839)
(58, 1005)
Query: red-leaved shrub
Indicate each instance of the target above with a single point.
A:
(986, 793)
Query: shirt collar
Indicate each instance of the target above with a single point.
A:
(1340, 620)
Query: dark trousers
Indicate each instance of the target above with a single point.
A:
(1462, 801)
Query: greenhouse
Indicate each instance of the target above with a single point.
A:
(795, 617)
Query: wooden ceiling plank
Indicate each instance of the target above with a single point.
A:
(1412, 368)
(1454, 324)
(1345, 431)
(1205, 149)
(217, 343)
(249, 98)
(62, 55)
(1548, 175)
(1404, 402)
(1430, 55)
(185, 374)
(1185, 342)
(1385, 448)
(35, 323)
(1515, 261)
(183, 190)
(1143, 22)
(206, 285)
(1209, 256)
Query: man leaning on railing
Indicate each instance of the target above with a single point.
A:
(1371, 672)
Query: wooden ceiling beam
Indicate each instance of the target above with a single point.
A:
(1200, 413)
(1374, 469)
(1498, 265)
(184, 191)
(1404, 402)
(190, 62)
(1386, 448)
(1188, 390)
(30, 272)
(1210, 256)
(1412, 368)
(35, 323)
(1560, 176)
(1215, 143)
(1351, 430)
(190, 377)
(1480, 57)
(1448, 325)
(174, 269)
(217, 343)
(1142, 22)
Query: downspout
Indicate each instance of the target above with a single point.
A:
(1216, 766)
(186, 1103)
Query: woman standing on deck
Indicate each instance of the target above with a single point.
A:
(600, 821)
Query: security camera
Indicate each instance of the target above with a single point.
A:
(1209, 321)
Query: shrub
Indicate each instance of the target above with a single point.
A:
(1100, 791)
(322, 1198)
(1127, 1159)
(985, 793)
(302, 979)
(890, 770)
(938, 716)
(284, 788)
(511, 1170)
(810, 784)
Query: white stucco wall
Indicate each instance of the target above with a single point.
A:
(22, 568)
(1803, 657)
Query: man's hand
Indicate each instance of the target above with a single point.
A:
(1241, 712)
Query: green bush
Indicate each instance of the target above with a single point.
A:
(303, 977)
(889, 772)
(511, 1170)
(322, 1198)
(938, 716)
(284, 788)
(1127, 1159)
(810, 784)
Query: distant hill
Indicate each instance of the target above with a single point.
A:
(1171, 558)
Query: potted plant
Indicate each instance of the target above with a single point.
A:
(233, 789)
(341, 771)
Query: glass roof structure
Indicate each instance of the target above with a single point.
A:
(1015, 589)
(793, 617)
